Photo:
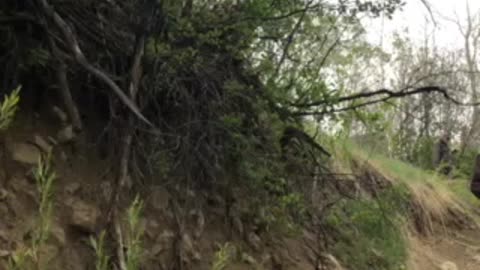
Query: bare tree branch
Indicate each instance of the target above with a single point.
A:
(82, 60)
(290, 40)
(387, 95)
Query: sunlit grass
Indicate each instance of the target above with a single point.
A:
(409, 174)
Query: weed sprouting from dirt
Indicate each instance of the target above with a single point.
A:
(134, 237)
(8, 108)
(98, 245)
(28, 257)
(370, 231)
(223, 257)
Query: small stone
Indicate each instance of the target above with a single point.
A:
(476, 258)
(335, 264)
(84, 216)
(43, 144)
(58, 234)
(4, 253)
(187, 243)
(254, 241)
(164, 241)
(248, 259)
(3, 194)
(24, 153)
(197, 256)
(151, 228)
(72, 188)
(60, 114)
(448, 265)
(66, 134)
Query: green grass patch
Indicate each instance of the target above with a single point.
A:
(370, 231)
(407, 173)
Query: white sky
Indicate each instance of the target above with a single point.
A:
(416, 18)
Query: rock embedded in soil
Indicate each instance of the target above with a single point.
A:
(248, 259)
(24, 153)
(66, 134)
(4, 253)
(72, 188)
(3, 194)
(163, 242)
(42, 143)
(84, 216)
(58, 234)
(448, 265)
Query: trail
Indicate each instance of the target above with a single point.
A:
(452, 251)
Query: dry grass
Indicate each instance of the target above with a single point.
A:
(433, 204)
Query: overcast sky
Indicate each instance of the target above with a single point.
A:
(415, 17)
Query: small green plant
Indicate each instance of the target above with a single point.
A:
(44, 177)
(370, 235)
(102, 259)
(223, 257)
(20, 259)
(134, 235)
(8, 108)
(26, 257)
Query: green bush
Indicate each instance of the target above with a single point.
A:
(369, 231)
(422, 153)
(464, 164)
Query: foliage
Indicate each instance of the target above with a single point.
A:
(133, 242)
(223, 257)
(20, 260)
(9, 107)
(45, 178)
(422, 153)
(370, 231)
(102, 259)
(464, 164)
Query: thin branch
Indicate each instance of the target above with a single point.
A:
(387, 95)
(290, 40)
(82, 60)
(430, 11)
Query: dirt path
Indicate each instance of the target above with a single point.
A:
(455, 251)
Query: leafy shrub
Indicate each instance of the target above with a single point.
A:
(370, 236)
(422, 153)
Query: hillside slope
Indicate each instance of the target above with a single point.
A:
(443, 232)
(393, 217)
